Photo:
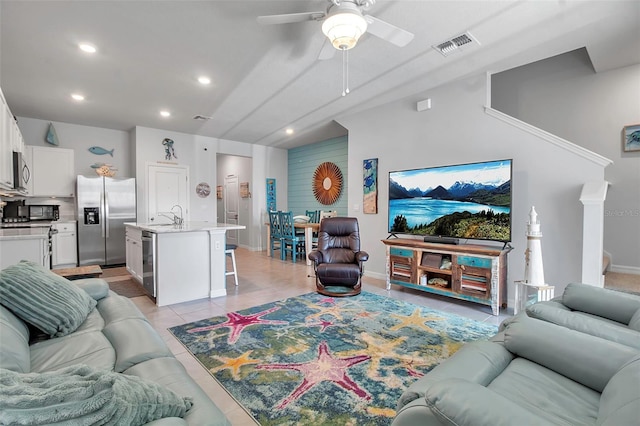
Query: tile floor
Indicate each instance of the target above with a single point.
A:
(263, 280)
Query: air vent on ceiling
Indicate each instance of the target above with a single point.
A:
(201, 117)
(452, 45)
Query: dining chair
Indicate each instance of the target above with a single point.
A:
(314, 215)
(290, 242)
(275, 239)
(325, 214)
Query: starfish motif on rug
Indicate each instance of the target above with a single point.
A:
(416, 320)
(234, 364)
(322, 324)
(237, 323)
(325, 367)
(334, 310)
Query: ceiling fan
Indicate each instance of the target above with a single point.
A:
(343, 23)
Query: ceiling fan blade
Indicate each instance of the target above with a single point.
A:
(290, 18)
(327, 50)
(388, 32)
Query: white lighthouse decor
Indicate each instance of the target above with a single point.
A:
(533, 271)
(532, 289)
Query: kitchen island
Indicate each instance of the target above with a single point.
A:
(181, 263)
(24, 243)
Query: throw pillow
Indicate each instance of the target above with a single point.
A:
(80, 394)
(43, 299)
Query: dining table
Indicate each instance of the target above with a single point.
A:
(309, 229)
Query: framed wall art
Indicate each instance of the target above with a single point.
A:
(271, 194)
(370, 186)
(244, 190)
(631, 138)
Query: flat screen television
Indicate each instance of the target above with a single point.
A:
(464, 201)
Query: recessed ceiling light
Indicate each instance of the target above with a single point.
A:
(289, 131)
(86, 47)
(204, 80)
(77, 96)
(165, 113)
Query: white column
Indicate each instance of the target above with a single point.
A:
(217, 277)
(592, 197)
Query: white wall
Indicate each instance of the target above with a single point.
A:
(457, 130)
(240, 167)
(200, 153)
(563, 95)
(133, 149)
(80, 139)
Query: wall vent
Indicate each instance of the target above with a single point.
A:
(201, 117)
(452, 45)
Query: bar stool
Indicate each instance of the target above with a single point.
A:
(230, 250)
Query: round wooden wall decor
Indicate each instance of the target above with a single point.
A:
(327, 183)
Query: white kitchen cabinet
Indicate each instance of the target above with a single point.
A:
(9, 133)
(133, 240)
(64, 245)
(52, 172)
(31, 247)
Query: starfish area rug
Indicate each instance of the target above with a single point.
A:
(317, 360)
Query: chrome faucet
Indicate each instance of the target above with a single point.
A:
(177, 220)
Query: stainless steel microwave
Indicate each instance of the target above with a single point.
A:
(21, 173)
(44, 212)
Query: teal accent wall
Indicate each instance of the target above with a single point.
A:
(303, 162)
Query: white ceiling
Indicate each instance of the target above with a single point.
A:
(268, 78)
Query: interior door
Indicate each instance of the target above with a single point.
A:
(167, 185)
(231, 206)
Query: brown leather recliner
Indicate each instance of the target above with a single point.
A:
(338, 261)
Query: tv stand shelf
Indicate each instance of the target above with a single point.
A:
(469, 272)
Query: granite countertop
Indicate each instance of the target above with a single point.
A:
(24, 233)
(161, 228)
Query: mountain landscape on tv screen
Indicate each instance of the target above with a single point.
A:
(468, 210)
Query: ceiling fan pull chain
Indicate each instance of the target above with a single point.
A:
(345, 72)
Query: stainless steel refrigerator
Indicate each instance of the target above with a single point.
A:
(104, 205)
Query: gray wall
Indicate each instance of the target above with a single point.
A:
(458, 130)
(564, 96)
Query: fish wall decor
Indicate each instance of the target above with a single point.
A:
(51, 136)
(98, 150)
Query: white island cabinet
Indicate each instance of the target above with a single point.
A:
(183, 263)
(24, 244)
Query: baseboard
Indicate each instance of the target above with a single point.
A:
(218, 293)
(634, 270)
(375, 275)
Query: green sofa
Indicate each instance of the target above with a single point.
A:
(114, 337)
(601, 312)
(533, 372)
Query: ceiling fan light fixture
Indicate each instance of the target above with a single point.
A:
(344, 28)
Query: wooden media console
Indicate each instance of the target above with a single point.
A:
(468, 272)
